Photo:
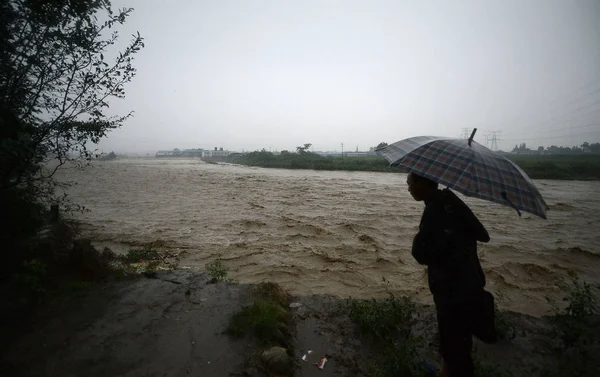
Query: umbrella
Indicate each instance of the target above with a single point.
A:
(469, 168)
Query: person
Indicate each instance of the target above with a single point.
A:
(447, 244)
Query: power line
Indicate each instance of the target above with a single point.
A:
(565, 128)
(597, 104)
(557, 136)
(571, 101)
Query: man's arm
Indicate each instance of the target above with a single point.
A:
(471, 223)
(429, 245)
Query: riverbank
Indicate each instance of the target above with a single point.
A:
(560, 167)
(175, 323)
(73, 310)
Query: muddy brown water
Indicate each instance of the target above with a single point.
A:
(335, 233)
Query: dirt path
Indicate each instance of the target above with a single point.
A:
(144, 327)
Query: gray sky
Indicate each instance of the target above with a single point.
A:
(249, 74)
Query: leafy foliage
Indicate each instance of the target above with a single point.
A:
(55, 87)
(145, 253)
(381, 145)
(217, 270)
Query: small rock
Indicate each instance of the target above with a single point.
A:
(295, 305)
(277, 360)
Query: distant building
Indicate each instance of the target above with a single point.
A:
(215, 153)
(346, 154)
(180, 153)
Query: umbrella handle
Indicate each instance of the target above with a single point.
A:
(505, 197)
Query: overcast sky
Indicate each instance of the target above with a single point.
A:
(252, 74)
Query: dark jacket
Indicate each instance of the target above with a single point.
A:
(447, 244)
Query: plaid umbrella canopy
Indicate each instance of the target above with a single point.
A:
(469, 168)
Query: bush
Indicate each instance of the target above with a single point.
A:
(383, 320)
(263, 319)
(389, 323)
(145, 253)
(217, 270)
(574, 331)
(571, 325)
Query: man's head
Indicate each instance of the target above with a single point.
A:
(420, 187)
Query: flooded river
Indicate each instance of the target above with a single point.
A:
(320, 232)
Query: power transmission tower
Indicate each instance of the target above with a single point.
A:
(342, 149)
(494, 142)
(487, 139)
(466, 132)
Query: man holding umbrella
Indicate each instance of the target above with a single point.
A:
(447, 244)
(449, 231)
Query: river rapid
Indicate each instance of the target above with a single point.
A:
(346, 234)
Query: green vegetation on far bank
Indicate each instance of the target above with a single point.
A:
(564, 167)
(308, 160)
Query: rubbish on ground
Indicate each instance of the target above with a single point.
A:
(306, 355)
(295, 305)
(321, 363)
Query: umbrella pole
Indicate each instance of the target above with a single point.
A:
(472, 135)
(510, 203)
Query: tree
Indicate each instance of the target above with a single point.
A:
(109, 157)
(304, 149)
(585, 147)
(381, 145)
(55, 86)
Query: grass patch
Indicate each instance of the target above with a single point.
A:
(383, 320)
(388, 324)
(264, 319)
